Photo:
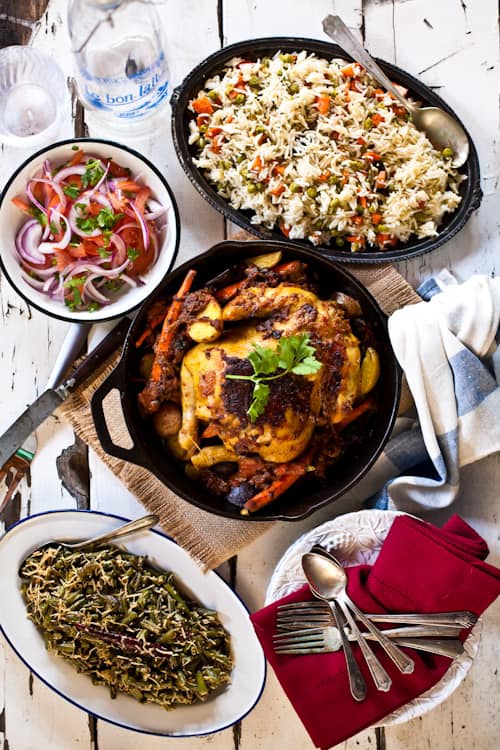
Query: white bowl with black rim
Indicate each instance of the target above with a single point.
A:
(11, 220)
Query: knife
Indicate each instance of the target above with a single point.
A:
(50, 399)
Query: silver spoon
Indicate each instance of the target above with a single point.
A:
(442, 129)
(357, 683)
(132, 527)
(331, 583)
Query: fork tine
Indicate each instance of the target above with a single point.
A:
(301, 605)
(289, 633)
(317, 638)
(299, 651)
(320, 619)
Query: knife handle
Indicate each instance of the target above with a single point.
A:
(97, 356)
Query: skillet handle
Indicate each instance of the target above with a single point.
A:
(111, 383)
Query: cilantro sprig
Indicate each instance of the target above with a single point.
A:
(293, 354)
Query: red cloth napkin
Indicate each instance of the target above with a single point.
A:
(420, 568)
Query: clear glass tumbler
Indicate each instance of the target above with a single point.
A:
(33, 97)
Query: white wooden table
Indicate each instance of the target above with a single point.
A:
(452, 46)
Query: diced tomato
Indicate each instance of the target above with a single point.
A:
(22, 206)
(278, 169)
(372, 156)
(63, 257)
(78, 252)
(142, 198)
(212, 132)
(129, 186)
(362, 200)
(115, 170)
(353, 238)
(76, 158)
(132, 237)
(203, 105)
(357, 220)
(377, 119)
(202, 120)
(324, 177)
(376, 218)
(361, 141)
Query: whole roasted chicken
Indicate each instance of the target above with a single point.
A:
(253, 384)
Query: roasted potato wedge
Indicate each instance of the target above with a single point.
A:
(208, 323)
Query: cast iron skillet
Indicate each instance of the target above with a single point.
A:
(470, 189)
(305, 497)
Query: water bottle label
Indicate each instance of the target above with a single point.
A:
(128, 96)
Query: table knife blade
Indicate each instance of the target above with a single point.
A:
(50, 399)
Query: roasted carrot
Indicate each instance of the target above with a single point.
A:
(287, 474)
(367, 405)
(167, 331)
(210, 431)
(227, 293)
(203, 105)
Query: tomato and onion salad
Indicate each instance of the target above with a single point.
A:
(92, 230)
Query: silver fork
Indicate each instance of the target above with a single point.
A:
(319, 613)
(327, 640)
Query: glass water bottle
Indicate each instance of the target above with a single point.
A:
(120, 56)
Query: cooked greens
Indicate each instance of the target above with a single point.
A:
(125, 624)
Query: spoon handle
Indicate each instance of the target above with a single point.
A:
(404, 663)
(380, 677)
(357, 683)
(338, 31)
(146, 522)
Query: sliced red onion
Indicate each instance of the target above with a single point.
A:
(33, 200)
(154, 243)
(90, 291)
(73, 216)
(28, 241)
(98, 184)
(47, 169)
(121, 250)
(68, 171)
(128, 280)
(43, 273)
(144, 226)
(129, 225)
(49, 247)
(103, 201)
(155, 210)
(34, 283)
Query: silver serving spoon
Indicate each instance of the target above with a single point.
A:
(443, 130)
(132, 527)
(357, 683)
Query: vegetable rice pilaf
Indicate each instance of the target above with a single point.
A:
(315, 148)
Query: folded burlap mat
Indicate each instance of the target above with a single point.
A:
(209, 538)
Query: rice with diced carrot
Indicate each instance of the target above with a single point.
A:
(313, 147)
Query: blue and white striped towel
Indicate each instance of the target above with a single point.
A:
(448, 349)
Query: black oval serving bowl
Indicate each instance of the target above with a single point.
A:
(470, 189)
(307, 495)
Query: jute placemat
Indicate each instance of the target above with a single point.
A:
(209, 538)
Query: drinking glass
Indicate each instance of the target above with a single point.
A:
(33, 97)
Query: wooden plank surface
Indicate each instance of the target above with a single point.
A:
(452, 46)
